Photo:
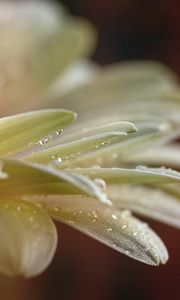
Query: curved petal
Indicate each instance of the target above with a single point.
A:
(109, 134)
(146, 201)
(32, 179)
(139, 175)
(117, 229)
(28, 238)
(23, 131)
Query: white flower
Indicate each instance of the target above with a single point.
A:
(88, 175)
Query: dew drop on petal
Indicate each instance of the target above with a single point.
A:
(101, 183)
(124, 226)
(59, 132)
(45, 140)
(114, 217)
(109, 229)
(59, 160)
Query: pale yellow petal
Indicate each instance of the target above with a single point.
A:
(28, 238)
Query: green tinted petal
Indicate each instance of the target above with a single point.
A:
(120, 153)
(108, 134)
(19, 132)
(29, 179)
(140, 175)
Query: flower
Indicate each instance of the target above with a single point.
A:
(39, 41)
(92, 175)
(39, 179)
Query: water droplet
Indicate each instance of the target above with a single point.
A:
(41, 205)
(124, 226)
(94, 213)
(18, 208)
(109, 229)
(45, 140)
(70, 221)
(59, 160)
(147, 249)
(56, 209)
(101, 183)
(135, 233)
(59, 132)
(114, 216)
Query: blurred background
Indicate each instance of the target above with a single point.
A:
(83, 269)
(134, 29)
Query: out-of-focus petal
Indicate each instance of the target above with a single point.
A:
(28, 238)
(38, 42)
(127, 85)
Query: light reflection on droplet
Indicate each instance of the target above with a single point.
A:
(124, 226)
(59, 132)
(114, 217)
(101, 183)
(45, 140)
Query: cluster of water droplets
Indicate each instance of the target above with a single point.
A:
(47, 139)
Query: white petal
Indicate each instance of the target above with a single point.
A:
(116, 229)
(146, 201)
(28, 238)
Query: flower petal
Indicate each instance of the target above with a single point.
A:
(117, 229)
(127, 82)
(139, 175)
(28, 238)
(122, 152)
(28, 179)
(22, 131)
(146, 201)
(109, 134)
(166, 155)
(45, 40)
